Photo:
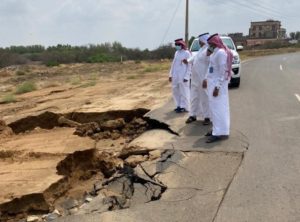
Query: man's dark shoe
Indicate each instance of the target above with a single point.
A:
(181, 110)
(206, 121)
(209, 133)
(191, 119)
(213, 139)
(177, 109)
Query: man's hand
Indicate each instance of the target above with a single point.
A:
(170, 79)
(216, 92)
(185, 61)
(185, 80)
(204, 84)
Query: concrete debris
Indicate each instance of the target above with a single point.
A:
(87, 129)
(63, 121)
(155, 154)
(111, 129)
(96, 205)
(33, 219)
(134, 160)
(113, 124)
(51, 216)
(70, 203)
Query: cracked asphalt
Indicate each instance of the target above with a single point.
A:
(252, 177)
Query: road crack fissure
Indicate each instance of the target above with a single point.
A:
(227, 188)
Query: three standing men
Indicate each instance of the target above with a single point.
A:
(179, 77)
(209, 87)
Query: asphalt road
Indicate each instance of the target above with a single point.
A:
(266, 109)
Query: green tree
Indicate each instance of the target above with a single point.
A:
(292, 35)
(297, 35)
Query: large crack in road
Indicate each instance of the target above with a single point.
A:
(123, 183)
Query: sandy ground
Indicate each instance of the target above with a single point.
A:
(28, 160)
(86, 88)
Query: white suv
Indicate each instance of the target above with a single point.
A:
(236, 63)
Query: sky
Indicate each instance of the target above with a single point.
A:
(134, 23)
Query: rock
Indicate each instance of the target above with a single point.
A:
(96, 205)
(88, 199)
(155, 154)
(113, 124)
(73, 210)
(64, 121)
(134, 160)
(4, 129)
(87, 129)
(33, 219)
(52, 216)
(138, 122)
(133, 150)
(115, 135)
(121, 186)
(70, 203)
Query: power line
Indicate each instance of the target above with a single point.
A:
(254, 9)
(173, 16)
(262, 8)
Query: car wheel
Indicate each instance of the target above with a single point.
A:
(237, 83)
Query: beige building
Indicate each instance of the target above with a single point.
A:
(269, 29)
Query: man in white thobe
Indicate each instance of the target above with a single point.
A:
(199, 97)
(179, 77)
(218, 77)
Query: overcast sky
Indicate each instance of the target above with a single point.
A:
(135, 23)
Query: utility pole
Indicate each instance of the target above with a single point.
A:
(187, 23)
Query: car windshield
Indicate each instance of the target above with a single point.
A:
(196, 46)
(228, 43)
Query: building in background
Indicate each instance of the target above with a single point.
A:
(265, 31)
(238, 38)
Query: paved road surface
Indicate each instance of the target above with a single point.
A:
(266, 108)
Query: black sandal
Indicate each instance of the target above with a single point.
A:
(191, 119)
(206, 121)
(209, 133)
(213, 139)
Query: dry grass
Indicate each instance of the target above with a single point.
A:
(26, 87)
(9, 98)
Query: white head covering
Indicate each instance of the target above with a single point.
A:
(203, 37)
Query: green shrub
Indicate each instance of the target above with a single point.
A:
(20, 73)
(99, 58)
(155, 68)
(76, 80)
(52, 63)
(26, 87)
(9, 98)
(131, 77)
(88, 84)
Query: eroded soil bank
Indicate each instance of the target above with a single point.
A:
(52, 160)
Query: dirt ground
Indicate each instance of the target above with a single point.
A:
(29, 156)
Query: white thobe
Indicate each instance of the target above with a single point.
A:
(219, 106)
(199, 96)
(180, 71)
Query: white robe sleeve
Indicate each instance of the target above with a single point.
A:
(172, 66)
(222, 61)
(188, 72)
